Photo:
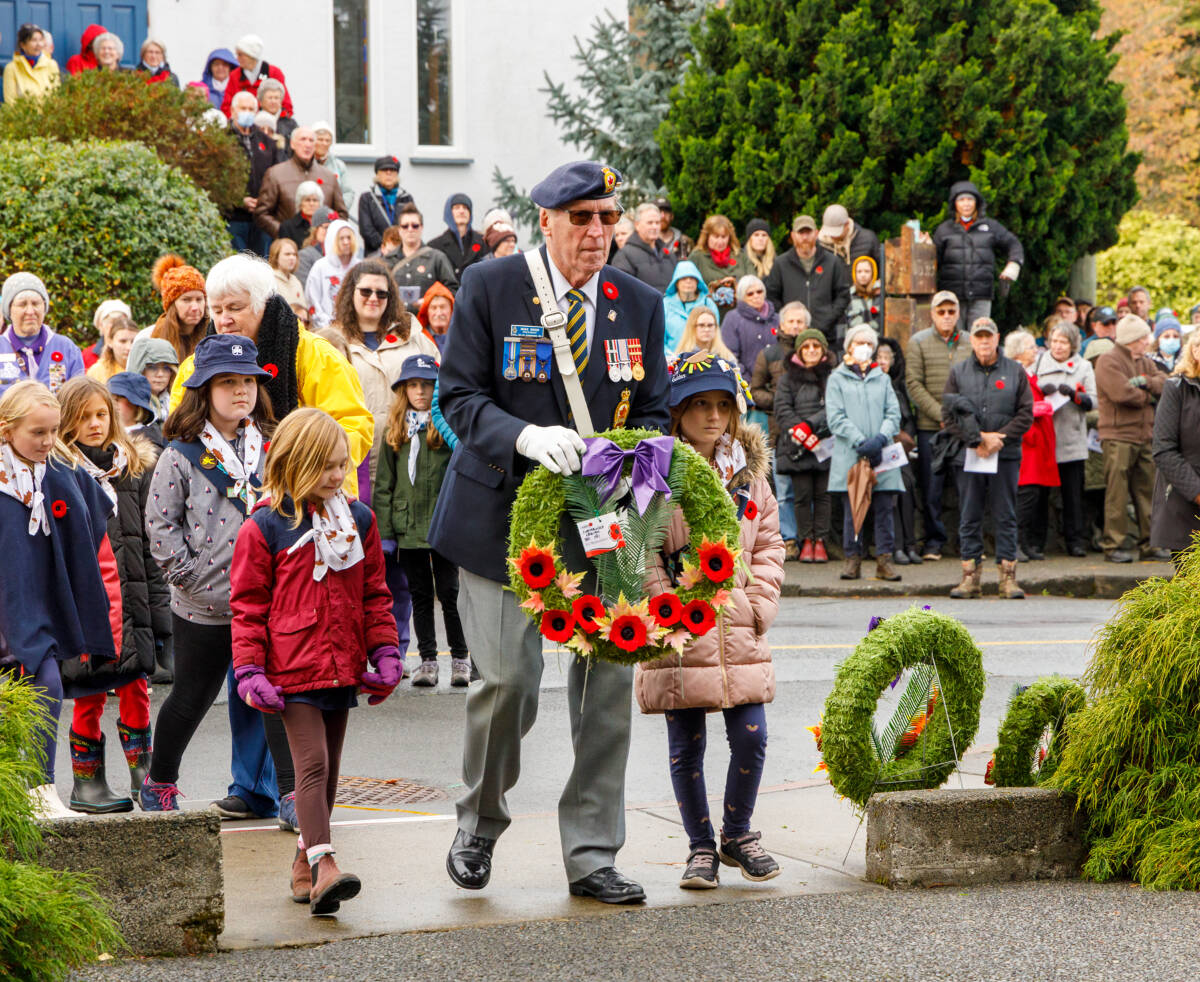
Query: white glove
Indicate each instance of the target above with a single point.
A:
(1011, 271)
(557, 448)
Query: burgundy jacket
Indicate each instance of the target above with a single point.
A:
(306, 634)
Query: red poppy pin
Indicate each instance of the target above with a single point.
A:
(391, 338)
(610, 291)
(1070, 364)
(475, 247)
(271, 369)
(320, 180)
(820, 270)
(262, 146)
(58, 508)
(266, 445)
(874, 310)
(56, 356)
(335, 280)
(751, 511)
(999, 383)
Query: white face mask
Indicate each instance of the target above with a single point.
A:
(861, 353)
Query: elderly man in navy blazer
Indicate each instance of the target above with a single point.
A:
(503, 394)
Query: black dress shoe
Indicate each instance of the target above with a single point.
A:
(609, 887)
(1156, 555)
(469, 862)
(1078, 552)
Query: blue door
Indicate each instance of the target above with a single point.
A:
(67, 20)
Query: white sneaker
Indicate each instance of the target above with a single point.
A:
(47, 803)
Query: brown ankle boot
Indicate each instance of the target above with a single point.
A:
(852, 570)
(1010, 589)
(301, 878)
(330, 886)
(884, 570)
(969, 587)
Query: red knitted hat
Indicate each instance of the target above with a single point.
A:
(173, 277)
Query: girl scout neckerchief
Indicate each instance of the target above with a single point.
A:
(414, 422)
(240, 468)
(105, 478)
(729, 458)
(28, 350)
(19, 480)
(334, 535)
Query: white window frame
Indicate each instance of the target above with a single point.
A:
(455, 153)
(375, 86)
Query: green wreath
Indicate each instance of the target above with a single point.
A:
(1032, 711)
(621, 624)
(920, 750)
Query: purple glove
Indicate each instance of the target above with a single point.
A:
(378, 685)
(256, 692)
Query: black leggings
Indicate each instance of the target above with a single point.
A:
(428, 571)
(202, 656)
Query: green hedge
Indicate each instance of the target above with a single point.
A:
(91, 218)
(1159, 252)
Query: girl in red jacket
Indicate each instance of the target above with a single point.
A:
(310, 610)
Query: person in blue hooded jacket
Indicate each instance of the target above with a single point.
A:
(218, 65)
(460, 243)
(686, 291)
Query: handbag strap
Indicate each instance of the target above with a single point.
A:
(555, 323)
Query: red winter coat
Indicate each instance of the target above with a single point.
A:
(239, 83)
(85, 61)
(1038, 463)
(306, 634)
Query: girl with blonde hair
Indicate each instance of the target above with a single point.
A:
(310, 557)
(701, 331)
(115, 356)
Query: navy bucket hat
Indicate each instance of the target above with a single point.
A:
(221, 354)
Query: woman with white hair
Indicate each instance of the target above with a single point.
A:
(251, 72)
(270, 99)
(863, 414)
(305, 370)
(109, 50)
(309, 197)
(751, 325)
(153, 61)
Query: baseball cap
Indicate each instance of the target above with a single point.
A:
(803, 222)
(941, 297)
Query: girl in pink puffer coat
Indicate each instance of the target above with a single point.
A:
(729, 668)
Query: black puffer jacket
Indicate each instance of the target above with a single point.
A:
(800, 398)
(992, 398)
(145, 599)
(1175, 515)
(908, 418)
(966, 255)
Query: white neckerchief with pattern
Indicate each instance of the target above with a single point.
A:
(240, 468)
(729, 458)
(334, 535)
(24, 483)
(414, 421)
(105, 478)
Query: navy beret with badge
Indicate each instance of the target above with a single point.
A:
(582, 180)
(220, 354)
(702, 371)
(417, 366)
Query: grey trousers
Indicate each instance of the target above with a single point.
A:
(507, 649)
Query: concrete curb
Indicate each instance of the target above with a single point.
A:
(1102, 587)
(161, 875)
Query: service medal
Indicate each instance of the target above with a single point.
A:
(635, 355)
(510, 359)
(626, 366)
(614, 361)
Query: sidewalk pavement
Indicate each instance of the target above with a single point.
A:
(1056, 576)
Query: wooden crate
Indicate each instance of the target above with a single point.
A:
(904, 316)
(911, 265)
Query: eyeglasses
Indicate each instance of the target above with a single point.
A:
(584, 216)
(411, 226)
(367, 293)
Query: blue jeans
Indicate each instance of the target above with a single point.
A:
(883, 504)
(932, 485)
(48, 679)
(250, 762)
(974, 490)
(687, 737)
(397, 583)
(787, 508)
(247, 236)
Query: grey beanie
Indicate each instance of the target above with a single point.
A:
(19, 283)
(149, 351)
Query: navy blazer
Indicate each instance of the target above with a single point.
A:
(488, 412)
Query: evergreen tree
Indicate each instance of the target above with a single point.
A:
(882, 104)
(620, 96)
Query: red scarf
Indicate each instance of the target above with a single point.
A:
(724, 258)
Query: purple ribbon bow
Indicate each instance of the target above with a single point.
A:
(651, 464)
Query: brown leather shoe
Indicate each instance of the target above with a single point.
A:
(791, 551)
(884, 570)
(1010, 589)
(301, 878)
(819, 553)
(852, 569)
(968, 588)
(330, 886)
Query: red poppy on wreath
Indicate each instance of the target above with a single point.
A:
(475, 247)
(536, 567)
(628, 632)
(391, 338)
(751, 510)
(56, 356)
(271, 369)
(586, 609)
(999, 383)
(558, 625)
(615, 530)
(666, 609)
(610, 291)
(698, 617)
(716, 561)
(58, 508)
(820, 270)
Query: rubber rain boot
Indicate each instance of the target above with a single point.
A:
(91, 794)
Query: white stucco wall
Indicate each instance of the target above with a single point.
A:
(503, 48)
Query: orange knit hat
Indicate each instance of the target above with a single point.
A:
(173, 277)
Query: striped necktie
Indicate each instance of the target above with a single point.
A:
(577, 329)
